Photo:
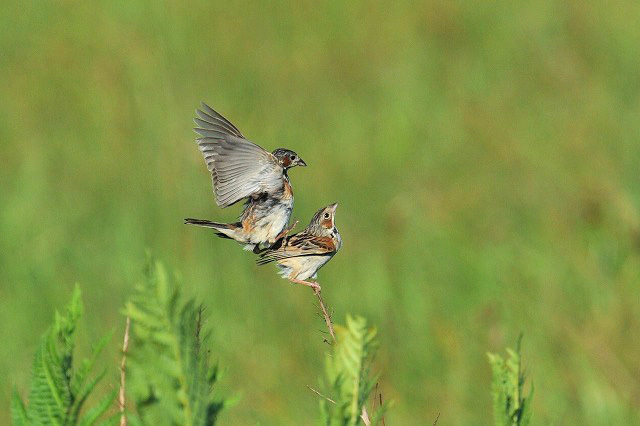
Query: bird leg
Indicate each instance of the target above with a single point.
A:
(315, 286)
(287, 230)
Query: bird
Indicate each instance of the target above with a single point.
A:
(240, 169)
(301, 255)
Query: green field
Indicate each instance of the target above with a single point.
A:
(485, 157)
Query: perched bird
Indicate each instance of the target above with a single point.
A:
(299, 256)
(242, 170)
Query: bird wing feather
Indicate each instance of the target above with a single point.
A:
(239, 168)
(297, 245)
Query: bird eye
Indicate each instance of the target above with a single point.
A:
(326, 215)
(293, 157)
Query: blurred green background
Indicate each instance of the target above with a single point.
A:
(485, 157)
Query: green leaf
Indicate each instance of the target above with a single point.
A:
(49, 397)
(56, 394)
(82, 396)
(170, 378)
(510, 406)
(18, 411)
(93, 415)
(380, 412)
(347, 369)
(87, 364)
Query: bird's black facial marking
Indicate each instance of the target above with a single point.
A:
(286, 157)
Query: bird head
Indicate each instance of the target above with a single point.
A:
(288, 158)
(324, 221)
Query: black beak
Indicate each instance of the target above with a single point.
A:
(301, 162)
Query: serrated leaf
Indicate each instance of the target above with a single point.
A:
(82, 396)
(170, 377)
(56, 395)
(87, 364)
(350, 382)
(94, 413)
(510, 406)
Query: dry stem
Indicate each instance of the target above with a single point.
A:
(327, 319)
(121, 394)
(325, 313)
(321, 395)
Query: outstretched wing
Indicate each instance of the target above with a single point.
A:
(297, 245)
(214, 124)
(239, 168)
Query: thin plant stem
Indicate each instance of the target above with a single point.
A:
(321, 395)
(325, 314)
(121, 394)
(327, 319)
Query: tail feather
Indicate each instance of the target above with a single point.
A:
(208, 224)
(225, 230)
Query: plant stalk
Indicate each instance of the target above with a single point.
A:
(121, 394)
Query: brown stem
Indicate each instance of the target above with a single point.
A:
(364, 415)
(325, 313)
(121, 394)
(321, 395)
(327, 319)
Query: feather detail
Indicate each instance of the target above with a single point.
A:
(302, 244)
(239, 168)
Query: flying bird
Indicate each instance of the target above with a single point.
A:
(299, 256)
(242, 170)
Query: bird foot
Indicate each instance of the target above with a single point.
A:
(315, 286)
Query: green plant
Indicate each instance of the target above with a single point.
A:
(349, 377)
(58, 392)
(510, 405)
(170, 375)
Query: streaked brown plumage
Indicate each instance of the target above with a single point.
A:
(300, 256)
(241, 170)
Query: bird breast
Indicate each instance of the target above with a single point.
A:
(302, 267)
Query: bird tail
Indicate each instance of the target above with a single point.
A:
(224, 230)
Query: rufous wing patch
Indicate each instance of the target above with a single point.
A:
(313, 243)
(249, 220)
